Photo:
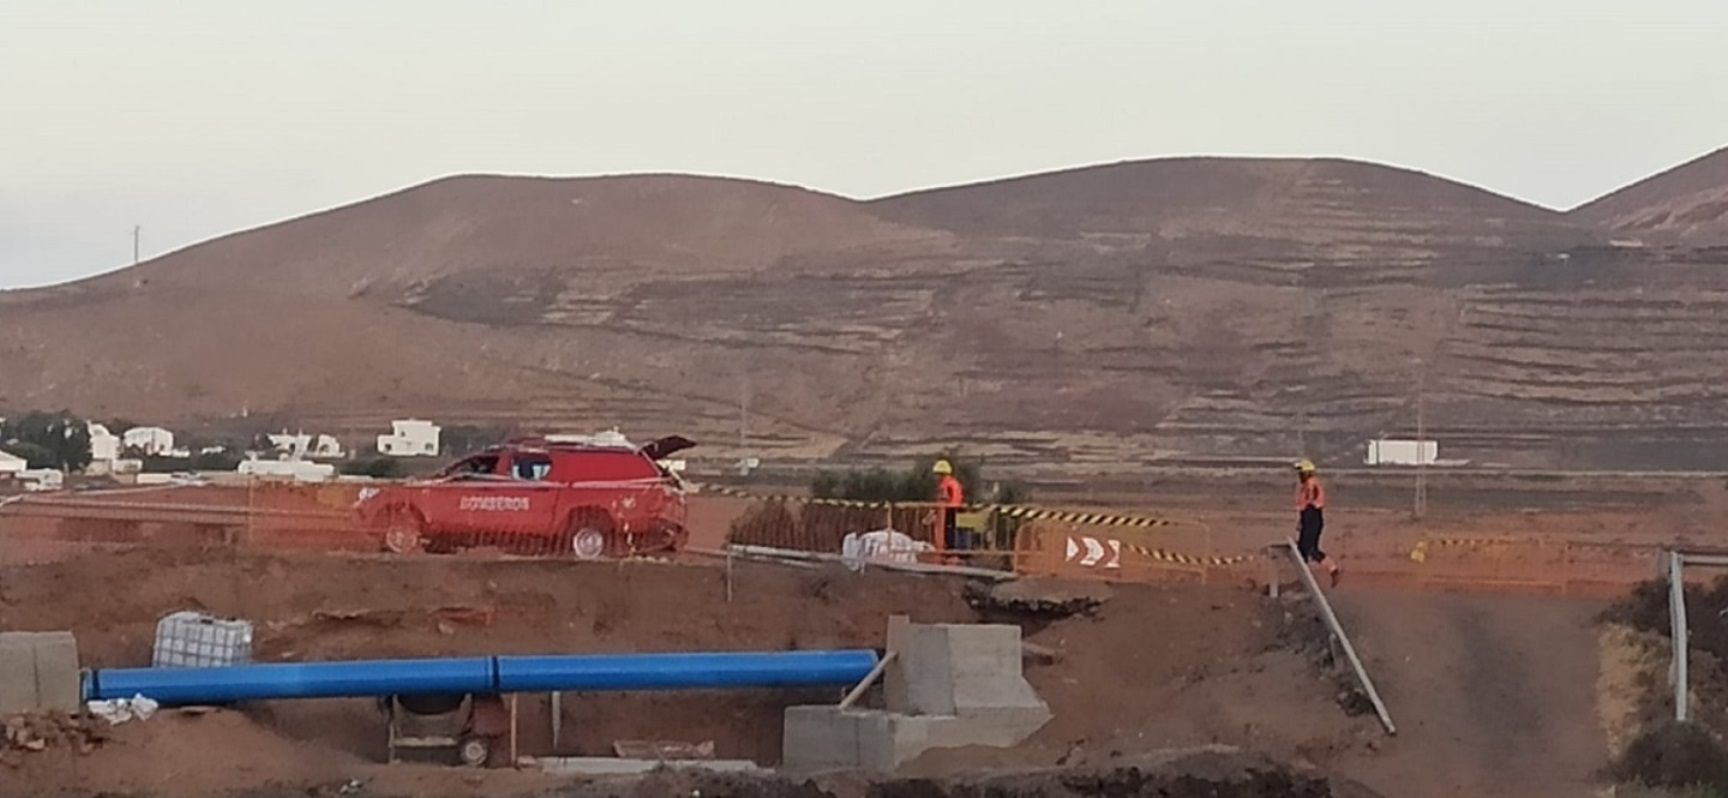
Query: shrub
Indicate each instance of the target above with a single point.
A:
(380, 467)
(1675, 754)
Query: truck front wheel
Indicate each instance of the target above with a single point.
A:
(404, 531)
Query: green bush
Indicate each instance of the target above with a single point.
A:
(917, 484)
(58, 440)
(1673, 754)
(35, 456)
(380, 467)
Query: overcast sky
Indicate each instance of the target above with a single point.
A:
(197, 118)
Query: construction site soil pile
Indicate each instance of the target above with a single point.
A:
(1217, 772)
(1152, 668)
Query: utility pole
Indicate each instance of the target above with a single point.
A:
(1421, 500)
(136, 229)
(743, 414)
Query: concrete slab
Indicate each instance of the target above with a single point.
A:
(17, 676)
(819, 738)
(612, 766)
(57, 678)
(38, 671)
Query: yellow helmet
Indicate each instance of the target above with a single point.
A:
(1305, 466)
(943, 467)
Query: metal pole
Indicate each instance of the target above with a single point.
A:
(1677, 619)
(1421, 503)
(1337, 629)
(870, 678)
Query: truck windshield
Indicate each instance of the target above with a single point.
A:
(481, 464)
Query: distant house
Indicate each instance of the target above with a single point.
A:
(1388, 451)
(11, 464)
(326, 446)
(410, 438)
(104, 445)
(42, 479)
(306, 445)
(151, 441)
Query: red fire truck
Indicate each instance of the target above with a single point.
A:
(581, 500)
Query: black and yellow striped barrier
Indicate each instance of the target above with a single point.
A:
(1017, 511)
(1179, 558)
(1420, 552)
(1020, 512)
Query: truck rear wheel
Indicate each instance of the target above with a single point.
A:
(588, 534)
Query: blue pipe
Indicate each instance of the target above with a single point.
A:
(683, 671)
(483, 675)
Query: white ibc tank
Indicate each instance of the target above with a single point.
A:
(196, 640)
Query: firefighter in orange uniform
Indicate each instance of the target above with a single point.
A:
(951, 496)
(1311, 518)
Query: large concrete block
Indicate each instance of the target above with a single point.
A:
(952, 685)
(984, 664)
(819, 738)
(57, 678)
(38, 671)
(928, 667)
(17, 676)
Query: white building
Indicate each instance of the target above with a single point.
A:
(326, 446)
(296, 470)
(37, 480)
(11, 464)
(1389, 451)
(306, 445)
(410, 438)
(152, 441)
(104, 445)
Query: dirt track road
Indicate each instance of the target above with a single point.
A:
(1494, 695)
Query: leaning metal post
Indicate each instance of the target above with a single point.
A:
(1337, 630)
(1677, 620)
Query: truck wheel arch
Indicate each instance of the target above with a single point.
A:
(588, 533)
(404, 528)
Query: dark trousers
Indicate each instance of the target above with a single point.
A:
(953, 538)
(1312, 523)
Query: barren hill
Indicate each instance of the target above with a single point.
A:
(518, 228)
(1084, 319)
(1688, 203)
(1309, 200)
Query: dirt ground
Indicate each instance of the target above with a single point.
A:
(1484, 648)
(1155, 667)
(1493, 694)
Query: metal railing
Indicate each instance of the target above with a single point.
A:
(1678, 626)
(1336, 629)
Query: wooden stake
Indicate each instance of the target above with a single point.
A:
(557, 718)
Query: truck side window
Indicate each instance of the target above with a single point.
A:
(533, 469)
(480, 464)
